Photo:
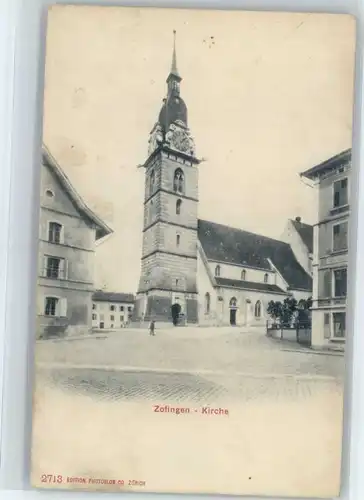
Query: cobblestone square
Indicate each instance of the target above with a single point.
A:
(187, 364)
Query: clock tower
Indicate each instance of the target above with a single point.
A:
(167, 289)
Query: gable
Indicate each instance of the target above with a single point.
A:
(306, 233)
(68, 196)
(61, 201)
(235, 246)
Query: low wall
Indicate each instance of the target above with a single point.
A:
(300, 335)
(283, 333)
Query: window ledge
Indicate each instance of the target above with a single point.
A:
(337, 340)
(53, 317)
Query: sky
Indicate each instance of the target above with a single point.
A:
(269, 95)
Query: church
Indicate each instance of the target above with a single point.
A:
(198, 272)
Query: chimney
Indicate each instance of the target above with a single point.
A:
(298, 219)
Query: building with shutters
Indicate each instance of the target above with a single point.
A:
(68, 230)
(111, 310)
(330, 249)
(206, 273)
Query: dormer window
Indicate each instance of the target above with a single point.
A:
(178, 181)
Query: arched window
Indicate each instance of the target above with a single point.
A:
(266, 278)
(217, 271)
(152, 182)
(178, 239)
(233, 302)
(243, 274)
(178, 206)
(258, 309)
(207, 303)
(179, 181)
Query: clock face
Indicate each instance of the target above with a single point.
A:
(180, 141)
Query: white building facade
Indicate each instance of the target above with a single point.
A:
(239, 273)
(330, 256)
(111, 311)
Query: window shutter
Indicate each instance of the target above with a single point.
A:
(41, 303)
(345, 235)
(62, 268)
(327, 326)
(44, 270)
(63, 307)
(65, 269)
(327, 283)
(329, 278)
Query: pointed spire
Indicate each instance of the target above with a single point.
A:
(174, 70)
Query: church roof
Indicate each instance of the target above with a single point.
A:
(235, 246)
(102, 296)
(248, 285)
(305, 231)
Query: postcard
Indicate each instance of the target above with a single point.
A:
(193, 251)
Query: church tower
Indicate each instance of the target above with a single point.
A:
(169, 255)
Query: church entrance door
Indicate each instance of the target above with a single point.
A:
(176, 311)
(233, 317)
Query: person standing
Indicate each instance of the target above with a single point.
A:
(152, 327)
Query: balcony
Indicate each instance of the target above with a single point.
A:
(339, 210)
(334, 302)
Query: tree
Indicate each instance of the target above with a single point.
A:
(309, 303)
(288, 309)
(274, 310)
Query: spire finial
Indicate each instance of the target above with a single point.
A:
(174, 70)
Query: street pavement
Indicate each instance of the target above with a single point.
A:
(195, 364)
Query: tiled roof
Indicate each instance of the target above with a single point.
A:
(101, 296)
(235, 246)
(248, 285)
(306, 233)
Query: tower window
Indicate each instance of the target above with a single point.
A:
(178, 207)
(243, 274)
(178, 181)
(266, 278)
(178, 239)
(152, 182)
(217, 271)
